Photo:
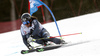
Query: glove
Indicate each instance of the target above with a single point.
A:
(29, 39)
(32, 38)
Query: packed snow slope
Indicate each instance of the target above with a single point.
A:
(85, 44)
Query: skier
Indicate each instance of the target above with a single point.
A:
(31, 29)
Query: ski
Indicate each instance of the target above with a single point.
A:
(53, 47)
(27, 51)
(46, 48)
(40, 49)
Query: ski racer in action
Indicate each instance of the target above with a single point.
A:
(31, 29)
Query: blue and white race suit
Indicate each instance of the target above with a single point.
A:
(37, 31)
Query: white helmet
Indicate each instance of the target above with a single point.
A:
(25, 18)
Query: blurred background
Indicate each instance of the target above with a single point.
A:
(11, 10)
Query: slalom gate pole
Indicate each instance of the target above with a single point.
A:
(58, 36)
(43, 13)
(69, 34)
(52, 16)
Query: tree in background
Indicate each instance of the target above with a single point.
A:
(13, 16)
(61, 8)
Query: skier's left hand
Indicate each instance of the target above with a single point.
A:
(29, 39)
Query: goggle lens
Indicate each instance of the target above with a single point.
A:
(26, 22)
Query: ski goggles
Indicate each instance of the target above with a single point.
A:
(26, 22)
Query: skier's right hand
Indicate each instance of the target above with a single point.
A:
(30, 39)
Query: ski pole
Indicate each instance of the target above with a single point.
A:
(57, 36)
(40, 38)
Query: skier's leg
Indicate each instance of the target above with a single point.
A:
(38, 41)
(46, 34)
(55, 40)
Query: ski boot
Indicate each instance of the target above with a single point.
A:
(45, 44)
(63, 42)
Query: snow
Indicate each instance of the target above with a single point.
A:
(85, 44)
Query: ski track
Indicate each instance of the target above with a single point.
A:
(85, 44)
